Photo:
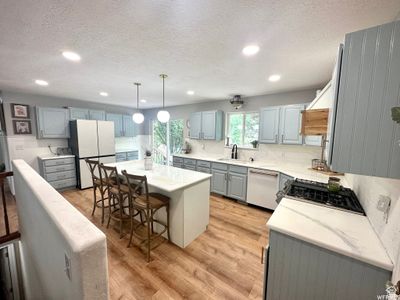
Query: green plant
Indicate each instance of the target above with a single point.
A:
(396, 114)
(254, 143)
(148, 153)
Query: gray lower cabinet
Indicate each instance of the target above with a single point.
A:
(58, 172)
(126, 156)
(366, 139)
(219, 181)
(299, 270)
(177, 162)
(52, 122)
(237, 186)
(283, 178)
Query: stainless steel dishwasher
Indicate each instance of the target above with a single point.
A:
(262, 187)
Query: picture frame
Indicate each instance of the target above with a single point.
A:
(20, 111)
(22, 127)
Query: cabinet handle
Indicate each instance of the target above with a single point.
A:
(276, 138)
(264, 173)
(226, 177)
(199, 135)
(41, 133)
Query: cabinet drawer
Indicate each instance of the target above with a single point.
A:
(60, 184)
(132, 155)
(189, 167)
(189, 161)
(60, 168)
(238, 169)
(120, 156)
(60, 175)
(177, 165)
(177, 159)
(60, 161)
(204, 164)
(204, 170)
(219, 166)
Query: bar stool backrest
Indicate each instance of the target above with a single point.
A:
(94, 169)
(110, 175)
(137, 186)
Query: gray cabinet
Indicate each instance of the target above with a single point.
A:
(177, 162)
(219, 181)
(126, 156)
(98, 115)
(206, 125)
(283, 178)
(366, 139)
(299, 270)
(78, 113)
(269, 125)
(237, 186)
(52, 122)
(117, 119)
(129, 128)
(290, 125)
(58, 172)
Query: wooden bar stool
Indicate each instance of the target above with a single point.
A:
(147, 204)
(98, 184)
(118, 195)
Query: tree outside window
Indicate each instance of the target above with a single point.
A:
(167, 140)
(242, 128)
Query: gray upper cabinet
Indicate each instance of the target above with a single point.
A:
(206, 125)
(195, 125)
(366, 139)
(129, 128)
(52, 122)
(117, 119)
(99, 115)
(291, 124)
(78, 113)
(269, 125)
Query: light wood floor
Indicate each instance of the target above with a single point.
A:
(223, 263)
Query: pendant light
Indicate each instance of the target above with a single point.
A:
(163, 115)
(137, 117)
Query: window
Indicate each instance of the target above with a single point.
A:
(242, 128)
(167, 140)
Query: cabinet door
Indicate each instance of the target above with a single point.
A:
(313, 140)
(195, 125)
(208, 125)
(366, 139)
(291, 124)
(129, 128)
(283, 178)
(117, 119)
(269, 125)
(52, 122)
(78, 113)
(98, 115)
(219, 182)
(237, 186)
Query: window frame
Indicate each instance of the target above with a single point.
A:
(227, 123)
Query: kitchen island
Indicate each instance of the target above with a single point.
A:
(189, 192)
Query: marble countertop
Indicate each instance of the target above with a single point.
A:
(125, 150)
(166, 178)
(53, 156)
(342, 232)
(295, 170)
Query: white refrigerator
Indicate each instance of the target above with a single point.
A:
(91, 139)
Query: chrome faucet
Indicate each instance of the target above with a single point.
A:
(234, 152)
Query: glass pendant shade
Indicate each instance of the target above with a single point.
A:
(163, 116)
(138, 118)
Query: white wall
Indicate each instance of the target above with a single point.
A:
(368, 189)
(51, 228)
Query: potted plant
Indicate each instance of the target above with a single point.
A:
(254, 143)
(148, 161)
(396, 114)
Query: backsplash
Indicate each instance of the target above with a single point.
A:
(298, 154)
(368, 190)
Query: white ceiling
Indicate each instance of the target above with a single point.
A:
(197, 43)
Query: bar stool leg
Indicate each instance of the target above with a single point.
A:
(120, 215)
(102, 206)
(110, 205)
(95, 200)
(169, 237)
(148, 220)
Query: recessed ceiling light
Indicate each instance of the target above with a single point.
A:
(143, 100)
(41, 82)
(71, 56)
(104, 94)
(250, 50)
(274, 78)
(190, 92)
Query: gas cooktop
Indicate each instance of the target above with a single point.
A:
(318, 193)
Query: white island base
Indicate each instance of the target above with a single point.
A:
(189, 212)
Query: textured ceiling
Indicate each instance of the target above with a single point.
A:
(197, 43)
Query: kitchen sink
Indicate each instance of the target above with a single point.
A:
(234, 160)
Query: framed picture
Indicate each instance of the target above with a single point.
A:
(22, 127)
(20, 111)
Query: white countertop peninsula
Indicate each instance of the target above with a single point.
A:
(189, 192)
(341, 232)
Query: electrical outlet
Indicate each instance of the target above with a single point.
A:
(67, 268)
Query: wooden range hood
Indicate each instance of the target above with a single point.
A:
(314, 122)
